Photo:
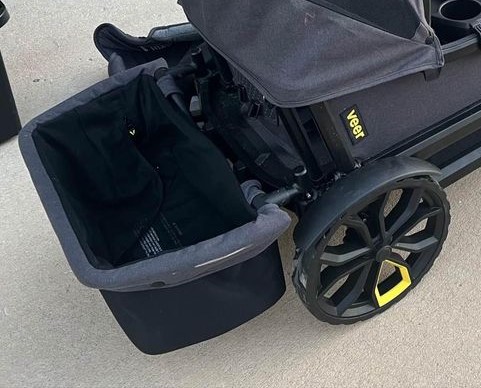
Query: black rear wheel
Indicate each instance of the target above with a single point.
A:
(376, 252)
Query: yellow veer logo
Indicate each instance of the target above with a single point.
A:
(354, 124)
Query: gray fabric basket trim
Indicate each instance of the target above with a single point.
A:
(323, 59)
(173, 268)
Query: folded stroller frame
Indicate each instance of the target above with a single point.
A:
(165, 182)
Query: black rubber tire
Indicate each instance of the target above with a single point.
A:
(311, 259)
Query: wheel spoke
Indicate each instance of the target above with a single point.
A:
(344, 253)
(417, 243)
(331, 275)
(357, 224)
(397, 258)
(379, 207)
(423, 212)
(372, 277)
(405, 209)
(351, 290)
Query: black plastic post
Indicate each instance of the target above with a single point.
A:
(9, 120)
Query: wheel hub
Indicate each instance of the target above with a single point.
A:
(384, 253)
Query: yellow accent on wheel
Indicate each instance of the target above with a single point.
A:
(398, 289)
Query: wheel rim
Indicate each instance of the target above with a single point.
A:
(387, 244)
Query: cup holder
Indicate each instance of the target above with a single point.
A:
(453, 19)
(460, 10)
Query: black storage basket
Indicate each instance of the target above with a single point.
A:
(147, 210)
(158, 321)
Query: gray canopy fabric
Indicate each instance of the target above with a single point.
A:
(300, 52)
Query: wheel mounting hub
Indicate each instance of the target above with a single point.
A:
(384, 253)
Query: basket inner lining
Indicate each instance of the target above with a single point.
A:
(136, 178)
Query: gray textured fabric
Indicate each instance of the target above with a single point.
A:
(394, 111)
(298, 53)
(251, 189)
(172, 268)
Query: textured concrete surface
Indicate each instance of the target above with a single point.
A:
(56, 333)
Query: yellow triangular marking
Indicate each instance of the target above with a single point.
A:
(398, 289)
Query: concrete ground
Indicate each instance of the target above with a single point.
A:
(55, 332)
